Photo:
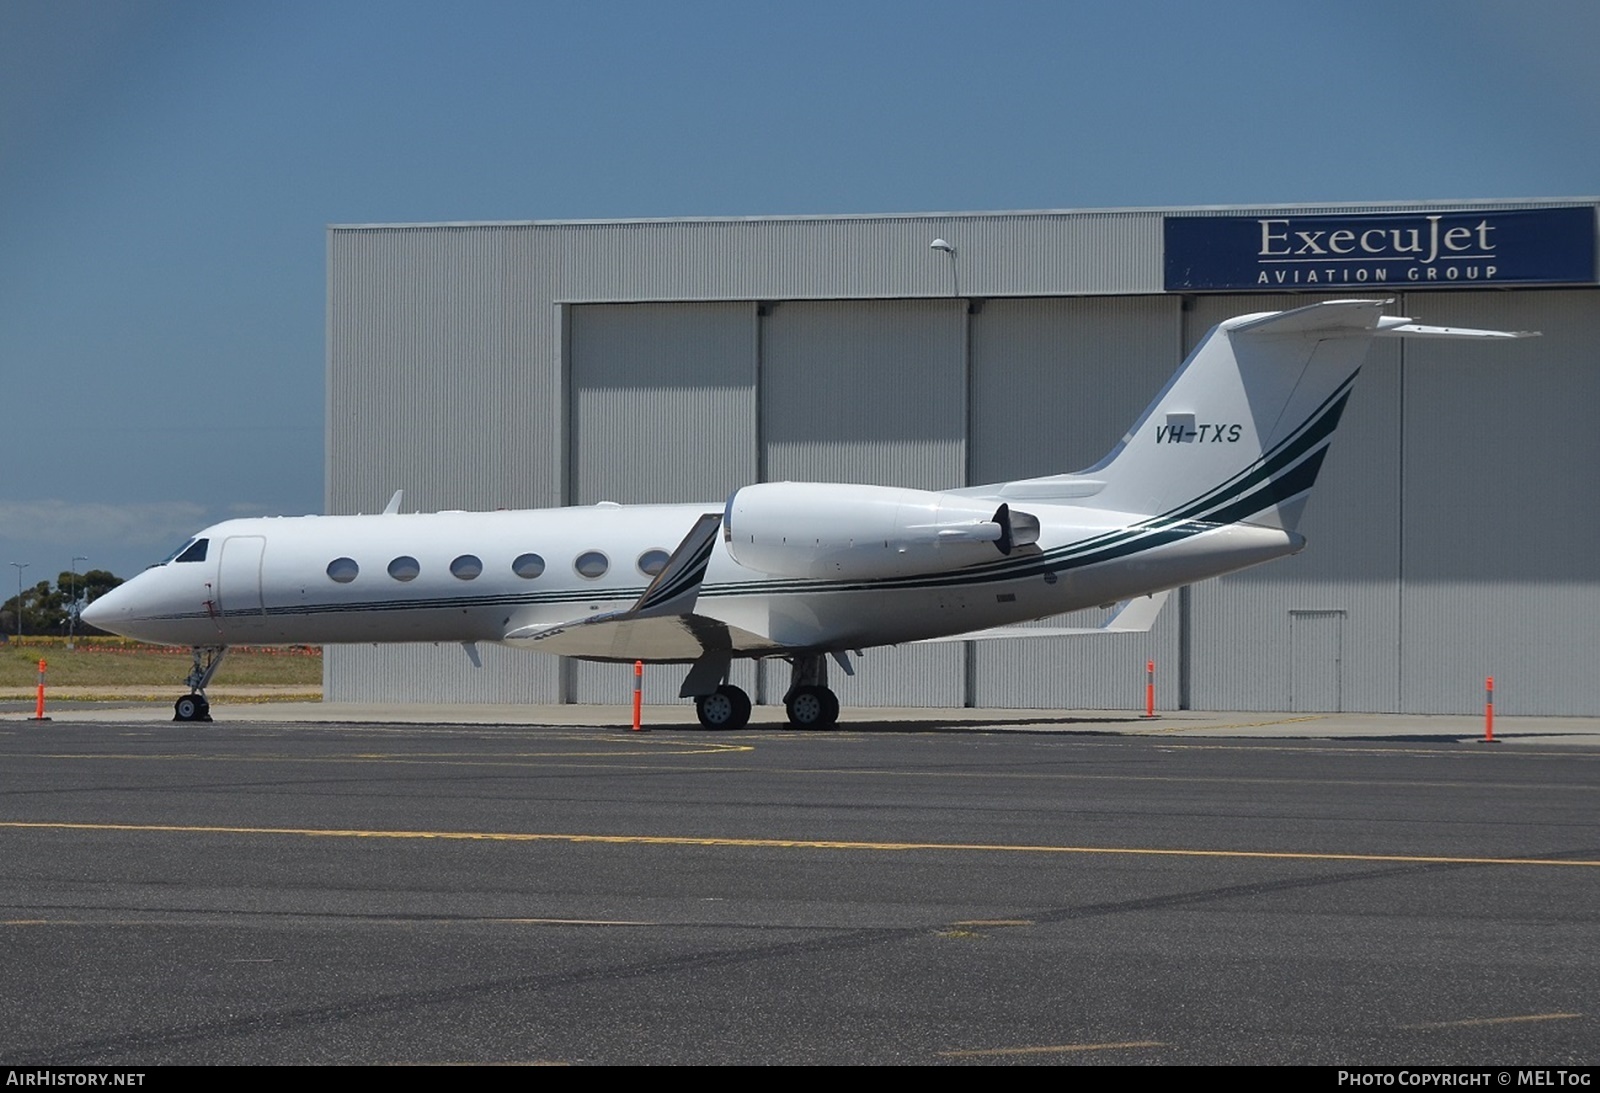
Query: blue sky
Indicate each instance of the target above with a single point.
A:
(167, 170)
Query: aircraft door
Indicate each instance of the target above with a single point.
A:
(239, 586)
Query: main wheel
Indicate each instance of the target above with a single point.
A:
(725, 708)
(191, 708)
(812, 707)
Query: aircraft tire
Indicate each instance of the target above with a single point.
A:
(812, 707)
(727, 707)
(191, 708)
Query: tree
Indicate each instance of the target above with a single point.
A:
(90, 586)
(45, 609)
(33, 603)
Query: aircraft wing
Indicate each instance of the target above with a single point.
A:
(1134, 616)
(624, 635)
(661, 624)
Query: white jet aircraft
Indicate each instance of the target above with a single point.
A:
(1211, 479)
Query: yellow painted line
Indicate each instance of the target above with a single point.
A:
(1053, 1049)
(995, 922)
(788, 844)
(1472, 1022)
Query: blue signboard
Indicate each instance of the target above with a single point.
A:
(1284, 251)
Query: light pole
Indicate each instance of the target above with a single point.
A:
(20, 567)
(72, 607)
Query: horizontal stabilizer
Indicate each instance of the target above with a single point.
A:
(1135, 616)
(1333, 317)
(1404, 329)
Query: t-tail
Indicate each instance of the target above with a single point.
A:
(1240, 432)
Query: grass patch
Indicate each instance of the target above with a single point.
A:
(115, 662)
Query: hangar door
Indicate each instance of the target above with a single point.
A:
(663, 409)
(869, 391)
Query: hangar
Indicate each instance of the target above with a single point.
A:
(1451, 536)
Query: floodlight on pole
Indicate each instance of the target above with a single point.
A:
(20, 567)
(944, 246)
(72, 606)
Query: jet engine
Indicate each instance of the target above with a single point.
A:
(831, 530)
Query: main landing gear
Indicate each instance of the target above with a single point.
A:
(194, 706)
(809, 702)
(727, 707)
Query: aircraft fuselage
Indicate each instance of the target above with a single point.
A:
(477, 576)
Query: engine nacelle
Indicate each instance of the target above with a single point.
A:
(825, 529)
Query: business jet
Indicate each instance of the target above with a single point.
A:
(1212, 478)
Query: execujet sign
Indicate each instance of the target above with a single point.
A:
(1404, 250)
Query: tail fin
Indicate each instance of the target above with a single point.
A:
(1240, 431)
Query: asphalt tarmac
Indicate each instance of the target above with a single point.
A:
(920, 889)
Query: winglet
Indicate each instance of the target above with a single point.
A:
(662, 624)
(677, 586)
(394, 503)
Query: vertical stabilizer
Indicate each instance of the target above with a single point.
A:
(1241, 430)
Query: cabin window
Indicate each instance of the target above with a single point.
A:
(194, 552)
(466, 567)
(592, 564)
(343, 570)
(652, 562)
(528, 566)
(404, 568)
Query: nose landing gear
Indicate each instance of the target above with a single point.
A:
(194, 705)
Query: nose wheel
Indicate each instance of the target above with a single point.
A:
(191, 708)
(194, 706)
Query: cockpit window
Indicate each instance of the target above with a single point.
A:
(175, 553)
(194, 552)
(187, 543)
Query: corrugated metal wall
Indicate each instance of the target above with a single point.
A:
(1502, 455)
(1015, 254)
(526, 365)
(444, 380)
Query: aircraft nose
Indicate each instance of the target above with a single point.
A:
(96, 613)
(108, 610)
